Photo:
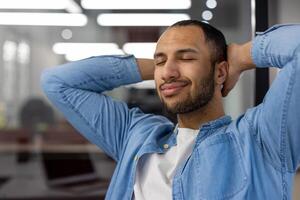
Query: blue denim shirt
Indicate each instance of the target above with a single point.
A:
(252, 157)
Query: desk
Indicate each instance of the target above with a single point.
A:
(49, 148)
(34, 187)
(27, 180)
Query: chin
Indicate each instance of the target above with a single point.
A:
(171, 100)
(172, 105)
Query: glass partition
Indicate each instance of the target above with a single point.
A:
(40, 152)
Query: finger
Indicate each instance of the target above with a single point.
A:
(224, 91)
(228, 86)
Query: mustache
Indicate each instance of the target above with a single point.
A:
(174, 81)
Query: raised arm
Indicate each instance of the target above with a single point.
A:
(75, 89)
(239, 60)
(276, 122)
(146, 68)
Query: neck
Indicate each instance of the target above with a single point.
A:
(195, 119)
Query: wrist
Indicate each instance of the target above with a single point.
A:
(246, 61)
(146, 68)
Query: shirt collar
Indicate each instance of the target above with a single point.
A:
(170, 138)
(217, 123)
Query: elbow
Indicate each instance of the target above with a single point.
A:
(49, 82)
(297, 51)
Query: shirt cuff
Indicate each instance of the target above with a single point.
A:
(128, 70)
(258, 55)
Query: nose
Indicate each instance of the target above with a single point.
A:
(170, 71)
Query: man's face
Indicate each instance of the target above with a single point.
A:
(184, 75)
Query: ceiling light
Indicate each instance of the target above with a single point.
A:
(66, 34)
(140, 50)
(23, 52)
(80, 55)
(207, 15)
(134, 19)
(42, 19)
(34, 4)
(73, 7)
(9, 50)
(69, 5)
(211, 4)
(64, 48)
(136, 4)
(77, 51)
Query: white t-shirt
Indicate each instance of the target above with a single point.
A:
(155, 172)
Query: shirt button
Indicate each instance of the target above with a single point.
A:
(166, 146)
(136, 158)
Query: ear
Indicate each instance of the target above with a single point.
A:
(221, 72)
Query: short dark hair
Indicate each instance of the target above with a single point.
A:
(213, 37)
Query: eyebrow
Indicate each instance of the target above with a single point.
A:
(159, 54)
(187, 50)
(180, 51)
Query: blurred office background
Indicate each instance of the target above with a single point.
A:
(35, 140)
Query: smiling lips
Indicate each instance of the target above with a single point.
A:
(170, 89)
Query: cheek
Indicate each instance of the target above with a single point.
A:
(156, 73)
(197, 72)
(157, 80)
(196, 81)
(194, 77)
(157, 76)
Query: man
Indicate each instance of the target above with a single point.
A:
(207, 155)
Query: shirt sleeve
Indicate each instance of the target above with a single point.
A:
(76, 90)
(277, 119)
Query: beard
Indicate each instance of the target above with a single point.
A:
(196, 100)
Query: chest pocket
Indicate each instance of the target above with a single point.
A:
(218, 170)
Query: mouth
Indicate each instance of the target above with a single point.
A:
(171, 89)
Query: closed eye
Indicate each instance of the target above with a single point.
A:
(160, 62)
(187, 59)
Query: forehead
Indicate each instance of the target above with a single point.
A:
(181, 37)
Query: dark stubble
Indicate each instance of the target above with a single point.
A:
(199, 99)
